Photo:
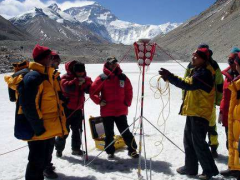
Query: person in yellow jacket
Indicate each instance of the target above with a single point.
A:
(218, 82)
(234, 126)
(197, 105)
(39, 113)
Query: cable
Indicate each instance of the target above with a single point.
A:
(12, 150)
(159, 93)
(138, 100)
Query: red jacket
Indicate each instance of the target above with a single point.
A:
(71, 89)
(116, 89)
(224, 106)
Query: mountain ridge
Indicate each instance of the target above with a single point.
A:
(94, 19)
(10, 32)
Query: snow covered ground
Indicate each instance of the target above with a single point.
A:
(69, 167)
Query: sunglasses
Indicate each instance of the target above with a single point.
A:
(230, 61)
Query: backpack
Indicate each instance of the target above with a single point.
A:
(22, 127)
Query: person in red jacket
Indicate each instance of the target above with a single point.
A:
(230, 73)
(112, 90)
(74, 86)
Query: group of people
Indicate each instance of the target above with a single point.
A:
(48, 106)
(204, 89)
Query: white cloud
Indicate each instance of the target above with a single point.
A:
(77, 3)
(11, 8)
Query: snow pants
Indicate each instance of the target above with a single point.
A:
(74, 122)
(196, 147)
(212, 131)
(39, 157)
(121, 123)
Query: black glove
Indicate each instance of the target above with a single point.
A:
(164, 73)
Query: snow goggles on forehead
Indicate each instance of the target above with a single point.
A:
(112, 60)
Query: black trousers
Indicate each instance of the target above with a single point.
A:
(75, 124)
(226, 131)
(196, 147)
(40, 156)
(121, 122)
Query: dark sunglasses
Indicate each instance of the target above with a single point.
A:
(230, 61)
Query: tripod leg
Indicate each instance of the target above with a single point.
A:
(145, 155)
(164, 135)
(85, 137)
(140, 149)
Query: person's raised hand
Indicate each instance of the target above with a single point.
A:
(164, 73)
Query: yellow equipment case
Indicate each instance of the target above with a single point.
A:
(98, 134)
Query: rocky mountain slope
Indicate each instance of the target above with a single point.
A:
(10, 32)
(83, 51)
(51, 24)
(217, 26)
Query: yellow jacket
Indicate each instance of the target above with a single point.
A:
(199, 93)
(234, 126)
(40, 114)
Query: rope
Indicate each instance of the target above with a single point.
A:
(170, 56)
(139, 77)
(12, 150)
(159, 93)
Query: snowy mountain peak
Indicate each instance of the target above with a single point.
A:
(54, 7)
(39, 11)
(98, 20)
(116, 30)
(92, 13)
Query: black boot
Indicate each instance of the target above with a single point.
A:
(111, 156)
(204, 177)
(50, 174)
(133, 154)
(183, 171)
(51, 166)
(229, 172)
(78, 152)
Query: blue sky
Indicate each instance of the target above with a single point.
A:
(138, 11)
(155, 11)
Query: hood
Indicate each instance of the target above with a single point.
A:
(228, 73)
(117, 71)
(69, 66)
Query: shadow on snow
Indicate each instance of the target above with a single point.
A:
(122, 165)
